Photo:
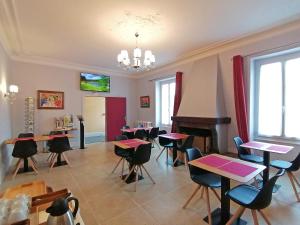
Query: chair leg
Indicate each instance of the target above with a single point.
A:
(167, 157)
(132, 169)
(123, 162)
(53, 162)
(208, 205)
(237, 214)
(17, 168)
(136, 178)
(116, 166)
(264, 217)
(216, 194)
(192, 196)
(52, 158)
(160, 153)
(254, 215)
(186, 162)
(148, 174)
(141, 170)
(31, 163)
(295, 179)
(33, 160)
(66, 158)
(255, 182)
(293, 185)
(49, 157)
(175, 160)
(202, 192)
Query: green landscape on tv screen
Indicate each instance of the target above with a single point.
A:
(94, 82)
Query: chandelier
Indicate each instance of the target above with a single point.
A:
(137, 63)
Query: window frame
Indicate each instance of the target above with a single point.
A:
(159, 95)
(281, 57)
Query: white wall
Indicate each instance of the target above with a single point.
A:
(5, 128)
(258, 43)
(32, 77)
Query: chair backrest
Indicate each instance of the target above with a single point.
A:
(59, 144)
(126, 127)
(295, 164)
(24, 135)
(163, 141)
(188, 143)
(121, 137)
(24, 149)
(154, 132)
(264, 197)
(192, 154)
(142, 154)
(56, 132)
(241, 151)
(53, 132)
(140, 134)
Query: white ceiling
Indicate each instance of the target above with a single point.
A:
(91, 33)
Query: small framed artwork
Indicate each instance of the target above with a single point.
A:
(50, 99)
(145, 101)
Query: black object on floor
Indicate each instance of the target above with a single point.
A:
(216, 218)
(131, 178)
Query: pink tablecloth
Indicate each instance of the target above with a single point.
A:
(214, 161)
(239, 169)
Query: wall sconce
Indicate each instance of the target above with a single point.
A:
(12, 91)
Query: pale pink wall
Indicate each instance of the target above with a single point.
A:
(32, 77)
(225, 67)
(5, 127)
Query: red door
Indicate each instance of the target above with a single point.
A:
(115, 116)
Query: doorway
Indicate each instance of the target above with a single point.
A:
(94, 119)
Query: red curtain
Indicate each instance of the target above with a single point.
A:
(177, 98)
(240, 97)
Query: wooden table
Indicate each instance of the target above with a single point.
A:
(267, 148)
(37, 138)
(228, 168)
(174, 137)
(130, 145)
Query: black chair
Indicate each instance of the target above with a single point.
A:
(289, 167)
(58, 146)
(122, 153)
(24, 150)
(126, 127)
(25, 135)
(244, 154)
(54, 132)
(205, 180)
(140, 134)
(137, 160)
(250, 197)
(188, 143)
(166, 143)
(153, 134)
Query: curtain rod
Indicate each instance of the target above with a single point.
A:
(294, 44)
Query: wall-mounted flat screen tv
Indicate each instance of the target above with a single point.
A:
(94, 82)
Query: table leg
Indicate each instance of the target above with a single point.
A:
(59, 162)
(267, 165)
(26, 168)
(225, 201)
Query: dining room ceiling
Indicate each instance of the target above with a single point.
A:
(90, 34)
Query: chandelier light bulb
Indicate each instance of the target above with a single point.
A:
(137, 63)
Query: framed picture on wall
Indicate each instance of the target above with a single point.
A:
(145, 101)
(50, 99)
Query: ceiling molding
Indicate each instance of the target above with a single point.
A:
(69, 65)
(12, 38)
(217, 48)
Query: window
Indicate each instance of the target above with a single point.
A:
(276, 93)
(165, 101)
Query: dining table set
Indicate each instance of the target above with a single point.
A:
(228, 168)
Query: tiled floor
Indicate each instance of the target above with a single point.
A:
(106, 200)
